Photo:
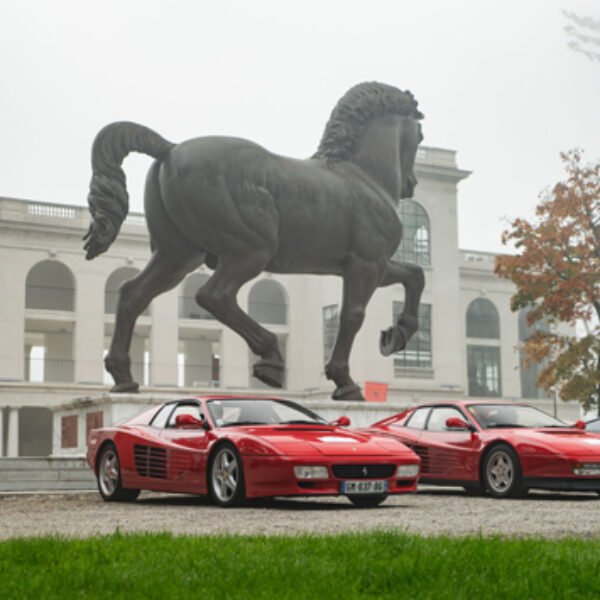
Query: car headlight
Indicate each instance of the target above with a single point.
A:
(586, 468)
(311, 472)
(407, 471)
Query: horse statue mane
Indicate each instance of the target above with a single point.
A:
(360, 104)
(239, 209)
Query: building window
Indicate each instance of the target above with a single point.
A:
(529, 375)
(331, 325)
(483, 364)
(267, 303)
(483, 320)
(50, 286)
(415, 246)
(188, 307)
(418, 350)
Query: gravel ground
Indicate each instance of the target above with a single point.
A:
(432, 511)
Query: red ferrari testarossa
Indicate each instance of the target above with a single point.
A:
(503, 448)
(236, 448)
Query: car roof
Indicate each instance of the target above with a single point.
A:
(221, 397)
(467, 402)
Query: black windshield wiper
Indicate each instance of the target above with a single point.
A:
(236, 423)
(500, 425)
(301, 422)
(553, 426)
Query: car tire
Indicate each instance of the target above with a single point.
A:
(226, 484)
(501, 472)
(109, 477)
(474, 489)
(367, 501)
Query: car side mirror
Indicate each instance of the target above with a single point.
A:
(187, 420)
(579, 424)
(342, 421)
(456, 423)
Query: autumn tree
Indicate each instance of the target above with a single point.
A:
(557, 275)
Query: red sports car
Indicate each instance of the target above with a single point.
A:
(236, 448)
(504, 448)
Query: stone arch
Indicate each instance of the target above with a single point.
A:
(267, 302)
(111, 288)
(50, 285)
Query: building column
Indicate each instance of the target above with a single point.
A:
(12, 438)
(164, 341)
(88, 341)
(58, 362)
(1, 431)
(12, 321)
(198, 362)
(235, 363)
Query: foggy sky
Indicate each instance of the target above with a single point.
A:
(496, 80)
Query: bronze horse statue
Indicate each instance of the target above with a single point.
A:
(240, 209)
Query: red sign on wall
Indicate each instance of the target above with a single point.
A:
(68, 432)
(375, 391)
(93, 420)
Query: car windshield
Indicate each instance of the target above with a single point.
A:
(491, 416)
(233, 412)
(593, 426)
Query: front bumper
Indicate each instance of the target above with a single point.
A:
(274, 475)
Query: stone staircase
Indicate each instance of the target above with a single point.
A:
(45, 474)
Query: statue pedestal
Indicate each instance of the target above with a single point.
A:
(74, 420)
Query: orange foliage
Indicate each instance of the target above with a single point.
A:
(557, 275)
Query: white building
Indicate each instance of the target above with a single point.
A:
(57, 316)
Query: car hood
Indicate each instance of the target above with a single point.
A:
(328, 441)
(566, 441)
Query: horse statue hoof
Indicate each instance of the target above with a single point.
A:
(392, 340)
(131, 387)
(348, 392)
(269, 372)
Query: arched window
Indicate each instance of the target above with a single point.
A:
(50, 285)
(483, 357)
(418, 349)
(267, 302)
(483, 320)
(111, 289)
(415, 246)
(188, 307)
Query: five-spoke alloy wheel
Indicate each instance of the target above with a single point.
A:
(502, 472)
(226, 477)
(109, 477)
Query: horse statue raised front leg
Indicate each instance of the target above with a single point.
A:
(241, 210)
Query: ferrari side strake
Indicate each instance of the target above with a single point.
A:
(502, 448)
(237, 448)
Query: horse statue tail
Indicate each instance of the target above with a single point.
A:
(108, 199)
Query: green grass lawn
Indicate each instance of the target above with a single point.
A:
(374, 565)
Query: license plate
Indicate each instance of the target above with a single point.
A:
(373, 486)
